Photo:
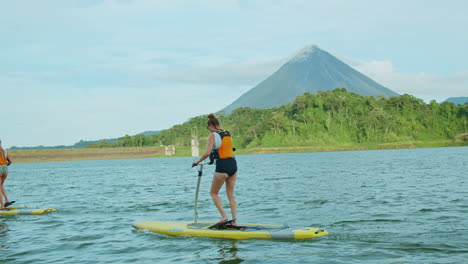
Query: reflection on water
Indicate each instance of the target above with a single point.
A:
(228, 254)
(3, 236)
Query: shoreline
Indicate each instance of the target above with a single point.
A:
(355, 147)
(51, 155)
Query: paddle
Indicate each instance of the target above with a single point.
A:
(200, 173)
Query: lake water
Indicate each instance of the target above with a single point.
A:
(380, 206)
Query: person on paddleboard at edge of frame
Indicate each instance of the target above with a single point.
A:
(220, 147)
(5, 161)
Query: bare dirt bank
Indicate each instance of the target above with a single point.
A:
(44, 155)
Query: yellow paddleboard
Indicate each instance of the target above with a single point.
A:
(251, 231)
(26, 211)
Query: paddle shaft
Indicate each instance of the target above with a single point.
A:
(200, 172)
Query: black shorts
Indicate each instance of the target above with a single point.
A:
(228, 166)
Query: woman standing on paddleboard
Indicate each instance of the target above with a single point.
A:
(220, 146)
(5, 161)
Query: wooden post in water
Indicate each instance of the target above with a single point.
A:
(195, 146)
(194, 142)
(170, 150)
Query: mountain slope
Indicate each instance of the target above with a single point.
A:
(457, 100)
(311, 70)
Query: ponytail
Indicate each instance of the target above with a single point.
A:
(212, 120)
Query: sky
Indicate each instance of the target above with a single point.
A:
(95, 69)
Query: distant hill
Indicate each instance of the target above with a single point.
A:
(457, 100)
(149, 133)
(79, 144)
(311, 70)
(40, 147)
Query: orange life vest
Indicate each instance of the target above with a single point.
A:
(226, 149)
(3, 161)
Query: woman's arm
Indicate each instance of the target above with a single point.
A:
(209, 148)
(8, 160)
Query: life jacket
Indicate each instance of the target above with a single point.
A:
(225, 150)
(3, 161)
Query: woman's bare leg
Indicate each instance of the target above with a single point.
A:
(230, 183)
(3, 193)
(4, 177)
(218, 181)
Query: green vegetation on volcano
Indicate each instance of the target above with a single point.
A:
(327, 119)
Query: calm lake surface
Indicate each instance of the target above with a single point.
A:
(380, 206)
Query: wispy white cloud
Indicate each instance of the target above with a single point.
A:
(427, 86)
(249, 72)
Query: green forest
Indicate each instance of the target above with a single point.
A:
(332, 118)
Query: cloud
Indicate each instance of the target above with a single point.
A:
(249, 72)
(427, 86)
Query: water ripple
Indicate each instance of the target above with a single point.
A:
(385, 206)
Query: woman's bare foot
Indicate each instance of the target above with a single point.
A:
(224, 219)
(234, 222)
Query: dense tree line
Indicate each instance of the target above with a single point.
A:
(326, 118)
